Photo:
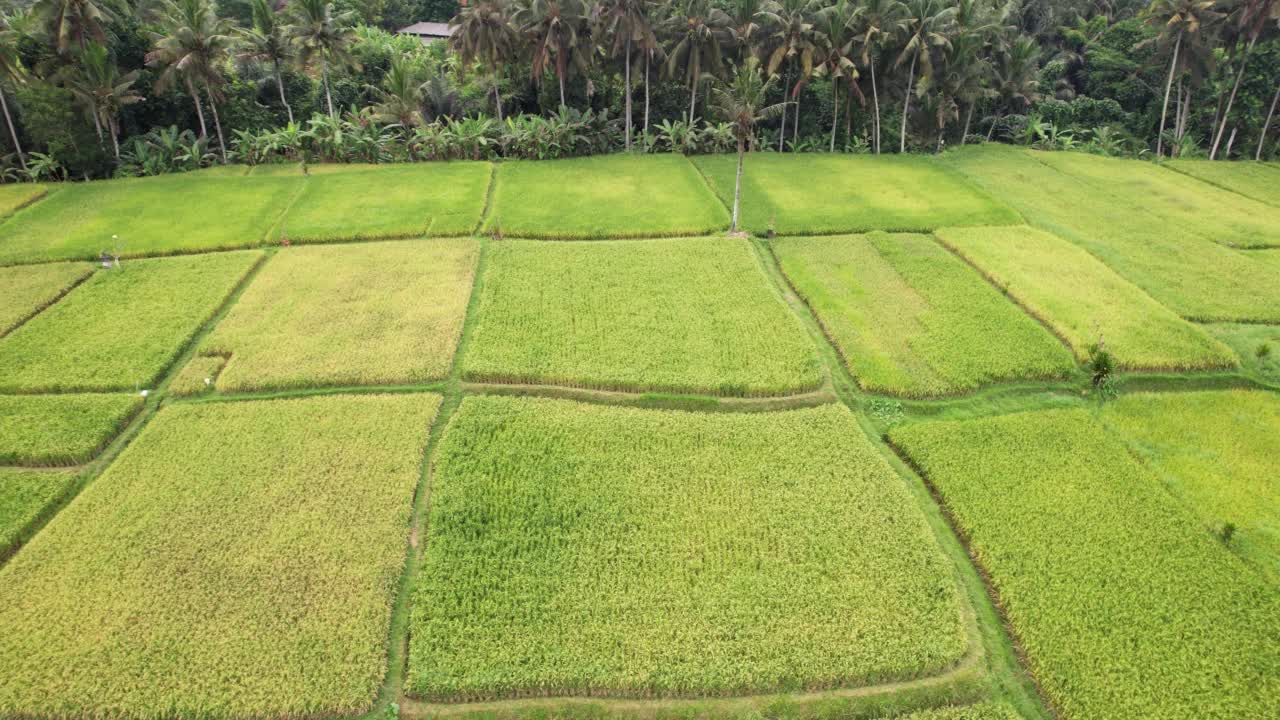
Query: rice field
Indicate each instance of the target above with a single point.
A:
(15, 196)
(598, 550)
(1124, 602)
(682, 315)
(192, 581)
(394, 202)
(1188, 206)
(25, 291)
(1259, 181)
(162, 215)
(197, 376)
(981, 711)
(121, 328)
(1215, 451)
(816, 194)
(615, 196)
(909, 318)
(1083, 301)
(25, 495)
(1257, 346)
(372, 314)
(1194, 276)
(47, 430)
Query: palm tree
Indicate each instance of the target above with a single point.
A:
(928, 22)
(791, 23)
(192, 45)
(1262, 134)
(104, 91)
(401, 94)
(322, 37)
(268, 42)
(652, 48)
(483, 33)
(742, 104)
(627, 21)
(558, 32)
(1250, 19)
(835, 40)
(745, 20)
(73, 23)
(1181, 22)
(964, 78)
(10, 69)
(876, 22)
(1015, 77)
(697, 29)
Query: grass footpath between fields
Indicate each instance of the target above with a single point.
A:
(199, 581)
(727, 553)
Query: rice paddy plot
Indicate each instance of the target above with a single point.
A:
(910, 318)
(236, 560)
(1216, 451)
(26, 290)
(815, 193)
(1125, 603)
(980, 711)
(162, 215)
(197, 376)
(1253, 180)
(1194, 276)
(15, 196)
(371, 314)
(60, 429)
(1084, 301)
(680, 315)
(1186, 205)
(121, 328)
(582, 549)
(25, 495)
(1257, 346)
(608, 196)
(392, 202)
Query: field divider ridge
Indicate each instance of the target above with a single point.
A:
(50, 303)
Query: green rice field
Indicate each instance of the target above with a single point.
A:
(534, 440)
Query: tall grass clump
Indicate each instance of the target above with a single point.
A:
(587, 549)
(121, 328)
(236, 560)
(1125, 604)
(909, 318)
(682, 315)
(373, 314)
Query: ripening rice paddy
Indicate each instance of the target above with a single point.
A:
(25, 495)
(1126, 603)
(910, 318)
(15, 196)
(683, 315)
(1259, 181)
(60, 429)
(374, 314)
(146, 216)
(1194, 276)
(25, 291)
(236, 560)
(436, 199)
(584, 549)
(1083, 301)
(121, 328)
(1257, 346)
(616, 196)
(817, 194)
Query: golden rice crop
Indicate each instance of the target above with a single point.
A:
(1084, 301)
(197, 375)
(1125, 603)
(910, 318)
(60, 429)
(680, 315)
(121, 328)
(380, 313)
(15, 196)
(26, 290)
(588, 549)
(24, 497)
(980, 711)
(236, 560)
(1215, 451)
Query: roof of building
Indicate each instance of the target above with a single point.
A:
(427, 29)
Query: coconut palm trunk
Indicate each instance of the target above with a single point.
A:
(324, 77)
(1168, 88)
(737, 187)
(835, 110)
(1235, 87)
(646, 89)
(795, 123)
(195, 98)
(13, 131)
(114, 128)
(1262, 137)
(627, 82)
(497, 98)
(906, 103)
(875, 101)
(280, 87)
(217, 123)
(968, 121)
